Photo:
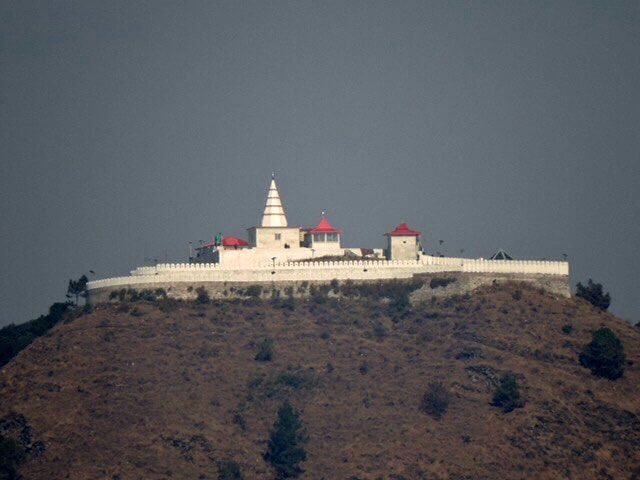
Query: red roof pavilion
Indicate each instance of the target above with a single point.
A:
(234, 242)
(324, 227)
(227, 242)
(403, 230)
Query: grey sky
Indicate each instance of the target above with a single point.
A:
(129, 128)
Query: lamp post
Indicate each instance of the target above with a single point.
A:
(273, 260)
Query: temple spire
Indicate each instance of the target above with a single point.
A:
(273, 212)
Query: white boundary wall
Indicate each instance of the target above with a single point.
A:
(342, 270)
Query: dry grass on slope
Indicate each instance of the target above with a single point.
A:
(166, 393)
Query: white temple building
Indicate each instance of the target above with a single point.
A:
(275, 241)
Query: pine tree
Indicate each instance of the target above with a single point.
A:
(77, 287)
(285, 451)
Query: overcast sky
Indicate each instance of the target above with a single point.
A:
(128, 129)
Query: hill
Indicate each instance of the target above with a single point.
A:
(154, 390)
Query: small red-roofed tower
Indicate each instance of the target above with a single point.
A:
(403, 243)
(324, 237)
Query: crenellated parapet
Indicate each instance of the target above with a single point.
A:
(171, 273)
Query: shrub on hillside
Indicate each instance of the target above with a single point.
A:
(134, 295)
(167, 305)
(318, 293)
(437, 282)
(398, 306)
(202, 296)
(265, 353)
(593, 294)
(296, 378)
(567, 329)
(436, 400)
(380, 331)
(11, 453)
(302, 287)
(289, 303)
(254, 291)
(507, 395)
(238, 419)
(229, 470)
(604, 355)
(160, 293)
(149, 295)
(285, 450)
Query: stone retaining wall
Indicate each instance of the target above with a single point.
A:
(464, 282)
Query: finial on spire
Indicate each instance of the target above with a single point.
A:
(273, 174)
(323, 213)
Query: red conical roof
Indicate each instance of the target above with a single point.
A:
(324, 227)
(403, 230)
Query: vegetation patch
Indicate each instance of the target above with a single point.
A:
(14, 338)
(229, 470)
(441, 282)
(202, 296)
(604, 355)
(507, 395)
(380, 331)
(594, 294)
(285, 450)
(436, 399)
(265, 352)
(253, 291)
(17, 442)
(294, 378)
(133, 295)
(11, 454)
(469, 353)
(567, 328)
(390, 289)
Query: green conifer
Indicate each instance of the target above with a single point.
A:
(604, 355)
(285, 451)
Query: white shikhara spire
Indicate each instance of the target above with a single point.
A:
(273, 212)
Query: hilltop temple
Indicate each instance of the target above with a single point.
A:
(291, 258)
(274, 240)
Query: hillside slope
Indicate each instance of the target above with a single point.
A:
(143, 392)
